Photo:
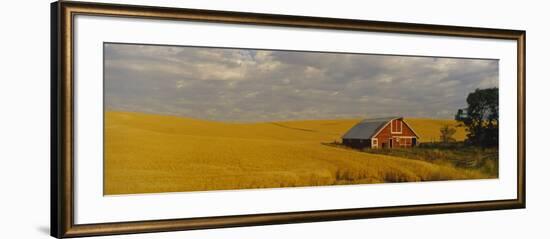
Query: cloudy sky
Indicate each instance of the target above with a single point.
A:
(261, 85)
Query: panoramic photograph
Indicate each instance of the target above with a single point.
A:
(188, 118)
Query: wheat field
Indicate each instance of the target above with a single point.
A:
(146, 153)
(429, 128)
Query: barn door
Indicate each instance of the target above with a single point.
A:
(391, 143)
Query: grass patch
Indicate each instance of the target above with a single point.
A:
(484, 160)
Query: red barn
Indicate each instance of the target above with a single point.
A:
(390, 132)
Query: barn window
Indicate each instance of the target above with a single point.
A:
(374, 142)
(396, 126)
(406, 141)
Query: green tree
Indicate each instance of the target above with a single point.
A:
(481, 118)
(447, 133)
(460, 114)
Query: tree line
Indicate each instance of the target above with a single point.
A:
(480, 118)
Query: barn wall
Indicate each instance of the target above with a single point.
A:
(385, 135)
(357, 143)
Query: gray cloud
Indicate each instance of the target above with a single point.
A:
(261, 85)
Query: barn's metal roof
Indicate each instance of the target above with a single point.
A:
(367, 128)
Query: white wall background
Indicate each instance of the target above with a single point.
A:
(24, 125)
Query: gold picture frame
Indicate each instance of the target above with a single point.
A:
(62, 128)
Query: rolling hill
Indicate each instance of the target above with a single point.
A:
(146, 153)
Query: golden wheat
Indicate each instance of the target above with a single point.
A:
(147, 153)
(429, 128)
